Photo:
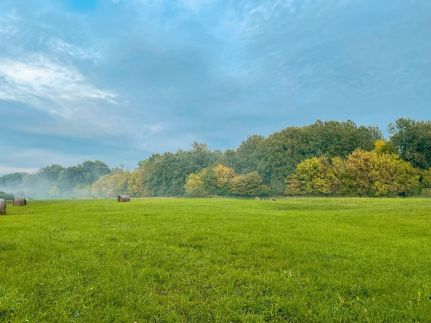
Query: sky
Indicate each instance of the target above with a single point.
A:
(118, 80)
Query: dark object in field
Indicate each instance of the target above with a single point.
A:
(2, 207)
(273, 199)
(123, 198)
(17, 201)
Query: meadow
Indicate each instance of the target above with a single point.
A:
(199, 260)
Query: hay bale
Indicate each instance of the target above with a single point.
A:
(19, 201)
(2, 206)
(123, 198)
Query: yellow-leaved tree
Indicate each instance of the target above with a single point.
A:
(249, 184)
(374, 174)
(316, 175)
(195, 184)
(111, 185)
(367, 173)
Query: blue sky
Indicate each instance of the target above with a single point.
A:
(117, 80)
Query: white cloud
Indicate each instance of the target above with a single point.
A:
(62, 47)
(47, 85)
(8, 25)
(250, 18)
(7, 31)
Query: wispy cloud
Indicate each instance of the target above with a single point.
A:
(47, 85)
(8, 25)
(7, 31)
(62, 47)
(251, 18)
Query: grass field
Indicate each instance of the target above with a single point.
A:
(217, 260)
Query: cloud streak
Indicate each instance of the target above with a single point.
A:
(47, 85)
(62, 47)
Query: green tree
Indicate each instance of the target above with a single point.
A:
(283, 150)
(51, 173)
(248, 185)
(426, 178)
(82, 175)
(166, 174)
(11, 180)
(249, 154)
(412, 139)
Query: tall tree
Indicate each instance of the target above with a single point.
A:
(165, 174)
(249, 154)
(283, 150)
(11, 180)
(413, 141)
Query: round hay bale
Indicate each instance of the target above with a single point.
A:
(2, 206)
(19, 201)
(123, 198)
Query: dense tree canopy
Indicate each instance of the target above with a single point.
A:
(412, 139)
(366, 173)
(247, 185)
(223, 181)
(248, 156)
(316, 175)
(165, 174)
(323, 158)
(284, 150)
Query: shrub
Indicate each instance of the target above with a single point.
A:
(195, 185)
(373, 174)
(249, 184)
(368, 173)
(111, 185)
(317, 175)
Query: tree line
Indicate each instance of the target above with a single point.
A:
(324, 158)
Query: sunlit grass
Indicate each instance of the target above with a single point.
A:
(217, 260)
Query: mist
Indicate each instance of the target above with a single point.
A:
(55, 181)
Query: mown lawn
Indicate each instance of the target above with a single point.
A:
(199, 260)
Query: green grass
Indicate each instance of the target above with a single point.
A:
(201, 260)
